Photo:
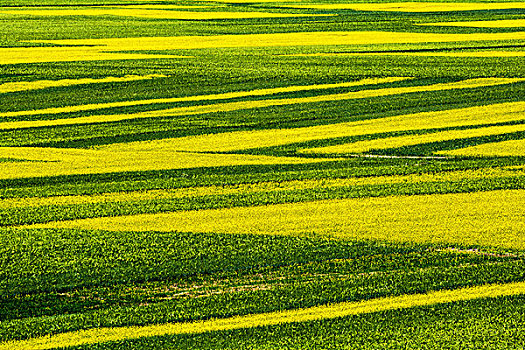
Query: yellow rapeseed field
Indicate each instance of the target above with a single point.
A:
(231, 106)
(145, 12)
(240, 140)
(481, 218)
(416, 6)
(291, 185)
(57, 161)
(330, 311)
(210, 97)
(282, 39)
(410, 140)
(161, 6)
(44, 84)
(515, 148)
(104, 49)
(18, 55)
(170, 172)
(503, 23)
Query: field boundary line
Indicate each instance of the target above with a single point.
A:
(330, 311)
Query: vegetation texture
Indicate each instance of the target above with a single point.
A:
(262, 174)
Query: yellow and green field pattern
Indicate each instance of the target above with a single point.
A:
(268, 319)
(262, 174)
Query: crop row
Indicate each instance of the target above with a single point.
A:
(498, 149)
(479, 218)
(263, 118)
(333, 311)
(263, 186)
(233, 106)
(51, 211)
(238, 175)
(151, 12)
(411, 140)
(158, 155)
(492, 323)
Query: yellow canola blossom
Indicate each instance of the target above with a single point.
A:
(513, 148)
(210, 97)
(282, 39)
(44, 84)
(144, 12)
(464, 175)
(56, 161)
(158, 6)
(241, 140)
(416, 6)
(323, 312)
(18, 55)
(502, 23)
(107, 49)
(232, 106)
(411, 140)
(493, 218)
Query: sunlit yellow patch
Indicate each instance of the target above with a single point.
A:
(502, 23)
(101, 49)
(241, 140)
(19, 55)
(159, 6)
(145, 12)
(331, 311)
(416, 6)
(44, 84)
(283, 39)
(57, 161)
(513, 148)
(411, 140)
(495, 218)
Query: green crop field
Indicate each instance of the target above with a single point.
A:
(262, 174)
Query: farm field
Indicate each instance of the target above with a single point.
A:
(262, 174)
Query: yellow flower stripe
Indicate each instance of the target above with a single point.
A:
(19, 55)
(281, 40)
(159, 6)
(104, 49)
(152, 13)
(484, 53)
(493, 218)
(56, 161)
(495, 149)
(211, 97)
(411, 140)
(44, 84)
(415, 6)
(233, 106)
(323, 312)
(241, 140)
(260, 187)
(502, 23)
